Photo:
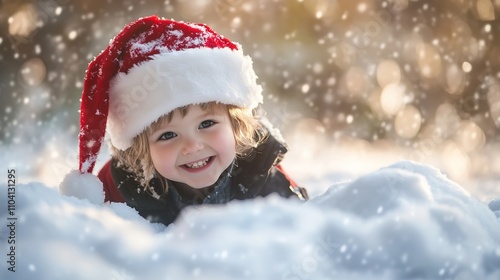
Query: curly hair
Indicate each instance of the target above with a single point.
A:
(247, 130)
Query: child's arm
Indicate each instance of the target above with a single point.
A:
(260, 173)
(299, 191)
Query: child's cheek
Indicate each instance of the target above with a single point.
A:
(167, 170)
(226, 140)
(162, 158)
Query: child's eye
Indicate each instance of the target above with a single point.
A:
(206, 124)
(167, 135)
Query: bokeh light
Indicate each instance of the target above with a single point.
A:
(429, 60)
(33, 72)
(494, 103)
(455, 79)
(23, 22)
(470, 136)
(392, 98)
(467, 67)
(485, 10)
(323, 9)
(407, 122)
(356, 82)
(388, 72)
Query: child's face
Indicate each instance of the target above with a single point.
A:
(194, 149)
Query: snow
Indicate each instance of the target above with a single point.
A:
(495, 206)
(404, 221)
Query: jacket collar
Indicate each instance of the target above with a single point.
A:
(251, 172)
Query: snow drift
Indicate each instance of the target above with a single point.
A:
(406, 221)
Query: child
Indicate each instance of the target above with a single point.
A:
(177, 100)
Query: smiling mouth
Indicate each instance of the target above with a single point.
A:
(198, 164)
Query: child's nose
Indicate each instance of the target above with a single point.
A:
(191, 145)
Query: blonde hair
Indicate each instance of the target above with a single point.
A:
(247, 130)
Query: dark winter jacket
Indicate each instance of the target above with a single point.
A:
(258, 174)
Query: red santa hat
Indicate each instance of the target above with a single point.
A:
(150, 68)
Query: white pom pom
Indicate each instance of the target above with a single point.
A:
(83, 186)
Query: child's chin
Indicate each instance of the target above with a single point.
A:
(205, 184)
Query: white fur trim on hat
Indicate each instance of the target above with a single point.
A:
(175, 79)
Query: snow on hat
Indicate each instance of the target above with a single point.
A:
(150, 68)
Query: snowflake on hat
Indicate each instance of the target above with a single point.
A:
(150, 68)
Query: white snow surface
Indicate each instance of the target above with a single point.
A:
(405, 221)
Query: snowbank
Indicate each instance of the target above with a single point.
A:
(406, 221)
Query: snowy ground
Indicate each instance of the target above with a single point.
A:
(406, 221)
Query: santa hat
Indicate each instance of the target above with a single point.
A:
(150, 68)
